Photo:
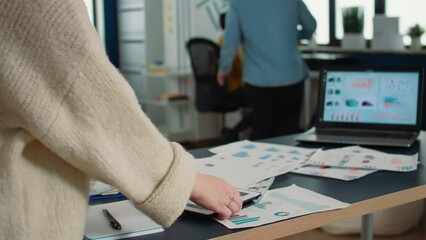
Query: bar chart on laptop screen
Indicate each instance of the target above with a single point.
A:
(371, 97)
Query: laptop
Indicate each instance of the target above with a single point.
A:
(368, 106)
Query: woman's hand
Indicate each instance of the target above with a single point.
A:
(216, 195)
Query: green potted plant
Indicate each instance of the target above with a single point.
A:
(353, 20)
(415, 32)
(353, 28)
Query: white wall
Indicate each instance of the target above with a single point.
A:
(206, 18)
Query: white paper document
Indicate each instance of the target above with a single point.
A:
(133, 222)
(345, 174)
(364, 158)
(281, 204)
(262, 187)
(245, 163)
(250, 146)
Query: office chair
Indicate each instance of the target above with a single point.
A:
(209, 96)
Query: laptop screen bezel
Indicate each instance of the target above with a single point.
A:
(395, 127)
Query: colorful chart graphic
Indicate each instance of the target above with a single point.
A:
(363, 83)
(238, 220)
(281, 214)
(335, 79)
(294, 152)
(351, 103)
(333, 103)
(372, 94)
(272, 149)
(249, 146)
(352, 117)
(400, 85)
(306, 205)
(241, 154)
(367, 104)
(391, 102)
(392, 116)
(265, 157)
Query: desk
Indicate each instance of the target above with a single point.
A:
(366, 195)
(338, 49)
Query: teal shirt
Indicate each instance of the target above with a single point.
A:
(268, 33)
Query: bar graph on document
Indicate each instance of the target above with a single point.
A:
(281, 204)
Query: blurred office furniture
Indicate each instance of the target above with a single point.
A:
(131, 36)
(162, 91)
(209, 96)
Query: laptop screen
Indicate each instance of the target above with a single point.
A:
(370, 96)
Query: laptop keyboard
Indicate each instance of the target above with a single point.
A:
(365, 134)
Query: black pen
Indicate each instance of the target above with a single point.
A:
(112, 221)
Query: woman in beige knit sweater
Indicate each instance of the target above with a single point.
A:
(67, 115)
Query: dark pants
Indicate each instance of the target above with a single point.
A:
(276, 110)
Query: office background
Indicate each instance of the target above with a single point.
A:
(201, 19)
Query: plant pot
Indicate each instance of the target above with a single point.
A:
(353, 41)
(416, 44)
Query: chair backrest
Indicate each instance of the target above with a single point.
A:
(204, 56)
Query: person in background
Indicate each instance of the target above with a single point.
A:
(66, 116)
(269, 32)
(235, 89)
(234, 79)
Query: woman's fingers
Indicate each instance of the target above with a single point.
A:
(217, 195)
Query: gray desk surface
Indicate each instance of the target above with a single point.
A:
(378, 184)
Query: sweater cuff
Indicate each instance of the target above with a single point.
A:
(168, 201)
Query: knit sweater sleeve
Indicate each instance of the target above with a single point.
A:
(61, 88)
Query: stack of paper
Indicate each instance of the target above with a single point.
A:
(364, 158)
(349, 163)
(257, 161)
(245, 163)
(346, 174)
(226, 161)
(253, 165)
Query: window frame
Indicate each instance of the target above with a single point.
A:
(379, 8)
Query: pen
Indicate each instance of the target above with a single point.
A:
(112, 221)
